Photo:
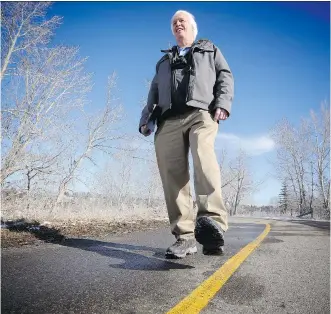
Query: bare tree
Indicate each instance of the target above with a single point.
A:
(24, 26)
(227, 175)
(44, 92)
(320, 140)
(237, 180)
(47, 134)
(242, 182)
(292, 159)
(41, 86)
(303, 154)
(101, 136)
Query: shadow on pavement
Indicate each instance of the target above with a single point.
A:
(312, 223)
(133, 255)
(129, 253)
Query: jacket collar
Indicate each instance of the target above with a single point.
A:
(201, 44)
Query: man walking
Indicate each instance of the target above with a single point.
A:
(193, 90)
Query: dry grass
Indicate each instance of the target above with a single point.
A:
(15, 239)
(77, 218)
(103, 210)
(55, 232)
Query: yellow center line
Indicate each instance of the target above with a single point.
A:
(200, 297)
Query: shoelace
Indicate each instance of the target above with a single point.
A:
(179, 242)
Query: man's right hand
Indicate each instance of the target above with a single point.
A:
(145, 130)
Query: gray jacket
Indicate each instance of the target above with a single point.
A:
(210, 85)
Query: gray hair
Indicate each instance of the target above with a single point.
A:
(191, 20)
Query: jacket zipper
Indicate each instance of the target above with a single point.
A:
(188, 83)
(171, 80)
(189, 75)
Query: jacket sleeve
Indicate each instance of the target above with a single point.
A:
(224, 86)
(152, 100)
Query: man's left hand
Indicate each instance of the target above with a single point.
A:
(220, 114)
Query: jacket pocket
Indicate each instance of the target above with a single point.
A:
(205, 77)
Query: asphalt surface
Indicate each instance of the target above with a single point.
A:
(288, 273)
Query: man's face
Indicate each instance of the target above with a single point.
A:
(181, 26)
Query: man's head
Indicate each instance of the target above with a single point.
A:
(184, 27)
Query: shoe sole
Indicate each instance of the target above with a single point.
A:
(208, 233)
(190, 251)
(216, 252)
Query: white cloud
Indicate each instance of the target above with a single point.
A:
(256, 145)
(253, 145)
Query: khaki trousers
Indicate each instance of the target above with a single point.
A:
(196, 130)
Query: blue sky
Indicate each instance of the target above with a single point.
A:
(279, 53)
